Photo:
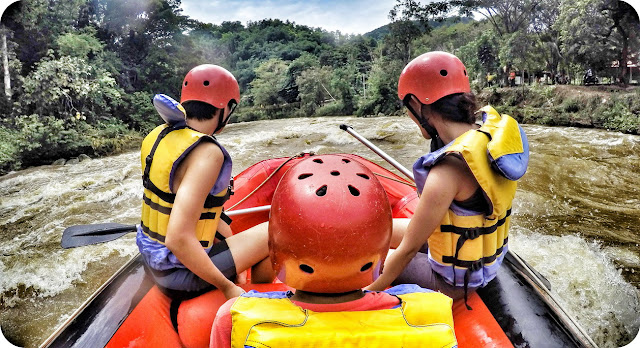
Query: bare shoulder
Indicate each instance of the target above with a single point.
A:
(201, 165)
(455, 172)
(205, 154)
(452, 166)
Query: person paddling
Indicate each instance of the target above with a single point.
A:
(329, 233)
(457, 238)
(184, 236)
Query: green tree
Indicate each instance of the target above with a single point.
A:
(583, 33)
(81, 44)
(38, 24)
(624, 32)
(543, 25)
(381, 92)
(270, 82)
(408, 21)
(312, 88)
(69, 87)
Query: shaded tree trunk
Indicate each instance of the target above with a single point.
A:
(5, 63)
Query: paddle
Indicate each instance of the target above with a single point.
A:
(511, 256)
(81, 235)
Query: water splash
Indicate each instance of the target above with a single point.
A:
(585, 280)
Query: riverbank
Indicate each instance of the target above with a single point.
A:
(36, 141)
(605, 107)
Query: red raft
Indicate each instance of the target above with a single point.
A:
(129, 311)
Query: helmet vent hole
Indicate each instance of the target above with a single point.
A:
(335, 173)
(304, 176)
(443, 72)
(465, 73)
(366, 267)
(306, 268)
(363, 176)
(354, 191)
(345, 160)
(186, 82)
(206, 83)
(318, 160)
(322, 191)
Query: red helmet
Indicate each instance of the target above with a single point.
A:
(211, 84)
(433, 75)
(330, 225)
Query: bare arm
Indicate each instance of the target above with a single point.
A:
(439, 191)
(194, 179)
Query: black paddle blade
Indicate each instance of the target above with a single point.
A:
(82, 235)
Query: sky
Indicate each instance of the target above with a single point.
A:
(347, 16)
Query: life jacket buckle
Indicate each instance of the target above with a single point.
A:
(472, 233)
(476, 266)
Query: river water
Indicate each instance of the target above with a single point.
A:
(576, 218)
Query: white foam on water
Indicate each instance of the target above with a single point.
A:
(586, 281)
(56, 272)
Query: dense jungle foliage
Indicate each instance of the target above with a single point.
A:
(80, 74)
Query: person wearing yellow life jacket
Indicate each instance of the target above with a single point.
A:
(458, 236)
(327, 253)
(184, 235)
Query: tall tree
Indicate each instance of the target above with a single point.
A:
(542, 24)
(270, 82)
(507, 17)
(134, 29)
(584, 31)
(408, 21)
(5, 63)
(624, 30)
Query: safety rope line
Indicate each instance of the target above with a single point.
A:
(394, 179)
(268, 178)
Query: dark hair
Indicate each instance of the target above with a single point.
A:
(199, 110)
(459, 107)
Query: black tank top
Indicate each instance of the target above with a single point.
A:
(477, 202)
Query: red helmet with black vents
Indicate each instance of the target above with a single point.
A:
(433, 75)
(330, 225)
(211, 84)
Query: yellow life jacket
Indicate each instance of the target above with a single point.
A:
(423, 319)
(162, 150)
(468, 247)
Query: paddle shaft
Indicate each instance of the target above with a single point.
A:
(377, 150)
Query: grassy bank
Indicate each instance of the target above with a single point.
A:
(36, 141)
(33, 140)
(607, 107)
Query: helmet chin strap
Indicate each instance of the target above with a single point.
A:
(436, 142)
(223, 122)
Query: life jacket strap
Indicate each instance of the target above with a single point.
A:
(167, 210)
(224, 217)
(472, 264)
(161, 238)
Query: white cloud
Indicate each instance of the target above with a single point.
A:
(349, 16)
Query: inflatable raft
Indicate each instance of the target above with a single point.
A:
(516, 309)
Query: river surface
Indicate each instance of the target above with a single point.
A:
(576, 218)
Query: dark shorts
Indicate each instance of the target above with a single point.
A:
(181, 283)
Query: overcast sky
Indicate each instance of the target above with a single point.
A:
(347, 16)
